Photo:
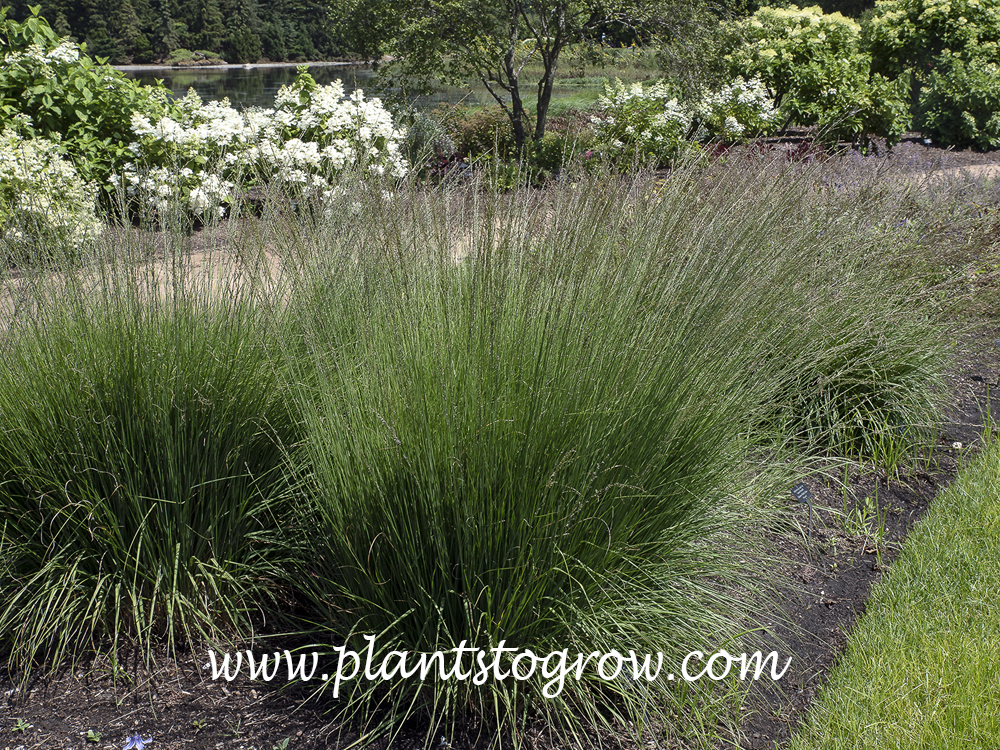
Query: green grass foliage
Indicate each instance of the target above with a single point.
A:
(139, 455)
(546, 442)
(550, 417)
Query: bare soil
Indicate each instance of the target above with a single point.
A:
(831, 575)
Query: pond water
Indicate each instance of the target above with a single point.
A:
(256, 85)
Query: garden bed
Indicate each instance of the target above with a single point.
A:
(831, 574)
(830, 582)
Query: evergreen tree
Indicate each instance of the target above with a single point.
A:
(273, 39)
(243, 43)
(166, 37)
(61, 26)
(205, 28)
(244, 30)
(100, 39)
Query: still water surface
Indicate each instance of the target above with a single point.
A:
(256, 86)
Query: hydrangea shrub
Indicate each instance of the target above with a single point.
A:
(818, 71)
(639, 126)
(960, 103)
(69, 97)
(197, 155)
(909, 35)
(741, 109)
(45, 206)
(946, 52)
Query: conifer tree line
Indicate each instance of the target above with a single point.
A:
(240, 31)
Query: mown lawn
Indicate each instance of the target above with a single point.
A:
(921, 669)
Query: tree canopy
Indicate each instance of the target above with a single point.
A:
(142, 31)
(501, 43)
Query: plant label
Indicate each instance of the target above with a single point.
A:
(801, 493)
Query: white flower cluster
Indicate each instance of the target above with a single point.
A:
(641, 125)
(42, 198)
(66, 52)
(648, 124)
(741, 108)
(311, 136)
(619, 95)
(203, 193)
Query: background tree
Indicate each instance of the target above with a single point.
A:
(495, 42)
(243, 43)
(144, 31)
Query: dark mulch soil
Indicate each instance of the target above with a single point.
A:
(832, 574)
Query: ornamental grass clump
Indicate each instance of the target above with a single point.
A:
(870, 353)
(532, 418)
(140, 456)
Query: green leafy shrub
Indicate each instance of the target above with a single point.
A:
(71, 98)
(960, 104)
(475, 132)
(638, 127)
(818, 71)
(551, 152)
(946, 52)
(909, 35)
(187, 56)
(46, 209)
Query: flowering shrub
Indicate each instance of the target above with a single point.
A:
(347, 131)
(198, 154)
(741, 109)
(44, 204)
(68, 97)
(818, 72)
(637, 126)
(946, 52)
(179, 158)
(909, 35)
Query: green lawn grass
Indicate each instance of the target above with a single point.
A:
(922, 669)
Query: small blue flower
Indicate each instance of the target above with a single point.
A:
(136, 742)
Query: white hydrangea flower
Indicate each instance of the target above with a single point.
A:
(43, 185)
(311, 134)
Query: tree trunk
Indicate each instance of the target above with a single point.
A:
(545, 95)
(550, 58)
(517, 114)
